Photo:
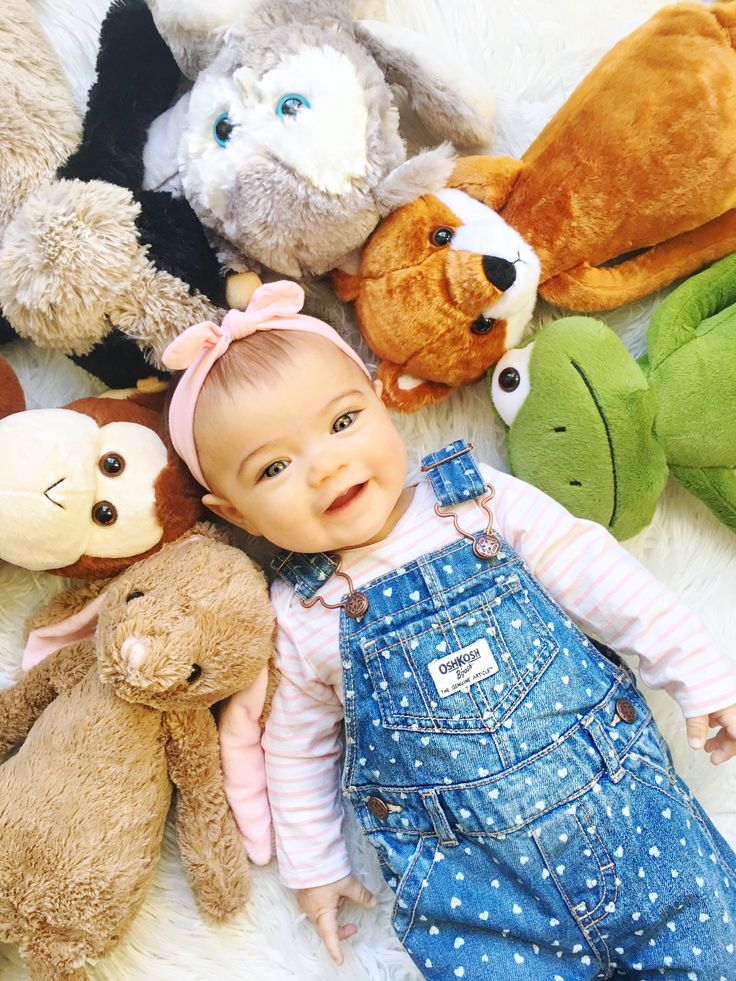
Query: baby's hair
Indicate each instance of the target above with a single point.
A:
(253, 361)
(256, 361)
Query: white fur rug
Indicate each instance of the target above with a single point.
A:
(531, 53)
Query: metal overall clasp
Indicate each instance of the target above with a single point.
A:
(355, 605)
(486, 545)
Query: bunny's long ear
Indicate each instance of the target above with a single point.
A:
(452, 103)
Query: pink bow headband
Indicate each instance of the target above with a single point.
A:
(273, 306)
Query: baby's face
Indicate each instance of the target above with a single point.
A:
(311, 460)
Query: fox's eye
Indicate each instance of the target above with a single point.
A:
(441, 236)
(344, 421)
(275, 468)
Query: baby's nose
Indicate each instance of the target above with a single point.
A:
(323, 467)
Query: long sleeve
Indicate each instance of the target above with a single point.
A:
(612, 596)
(243, 768)
(303, 745)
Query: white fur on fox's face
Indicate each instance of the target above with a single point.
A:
(484, 232)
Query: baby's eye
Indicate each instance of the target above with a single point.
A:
(344, 421)
(275, 468)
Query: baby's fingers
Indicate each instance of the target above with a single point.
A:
(328, 931)
(697, 731)
(722, 747)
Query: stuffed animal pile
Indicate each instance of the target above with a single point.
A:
(121, 671)
(226, 142)
(631, 185)
(600, 432)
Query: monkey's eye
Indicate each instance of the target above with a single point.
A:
(104, 513)
(111, 464)
(441, 236)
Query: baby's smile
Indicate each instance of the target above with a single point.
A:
(343, 501)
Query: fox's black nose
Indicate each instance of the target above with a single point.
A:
(500, 272)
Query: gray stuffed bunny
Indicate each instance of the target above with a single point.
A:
(288, 145)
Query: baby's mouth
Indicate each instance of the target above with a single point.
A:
(346, 498)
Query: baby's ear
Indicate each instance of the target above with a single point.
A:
(228, 512)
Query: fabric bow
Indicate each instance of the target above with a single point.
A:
(270, 303)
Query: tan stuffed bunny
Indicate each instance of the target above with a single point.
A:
(84, 801)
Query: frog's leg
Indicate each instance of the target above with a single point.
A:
(677, 319)
(591, 288)
(715, 487)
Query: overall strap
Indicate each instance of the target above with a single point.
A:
(454, 474)
(306, 573)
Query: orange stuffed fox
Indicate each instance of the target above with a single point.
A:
(631, 185)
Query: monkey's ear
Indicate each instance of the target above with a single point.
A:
(11, 394)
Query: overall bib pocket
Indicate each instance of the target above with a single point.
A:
(463, 669)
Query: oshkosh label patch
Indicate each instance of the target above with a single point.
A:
(463, 668)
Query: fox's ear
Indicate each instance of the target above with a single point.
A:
(346, 284)
(488, 179)
(11, 394)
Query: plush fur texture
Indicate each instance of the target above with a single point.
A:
(90, 264)
(620, 168)
(53, 480)
(530, 54)
(475, 287)
(40, 123)
(599, 433)
(297, 193)
(84, 802)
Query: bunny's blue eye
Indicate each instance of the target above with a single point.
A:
(222, 128)
(292, 104)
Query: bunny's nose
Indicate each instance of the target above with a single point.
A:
(499, 272)
(133, 652)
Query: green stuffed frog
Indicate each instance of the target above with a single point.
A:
(600, 432)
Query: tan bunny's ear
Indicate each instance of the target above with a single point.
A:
(487, 179)
(346, 285)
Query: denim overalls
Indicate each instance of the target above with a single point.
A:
(521, 800)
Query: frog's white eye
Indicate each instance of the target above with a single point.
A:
(510, 385)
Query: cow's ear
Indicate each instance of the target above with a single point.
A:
(11, 394)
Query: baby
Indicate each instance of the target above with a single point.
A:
(522, 802)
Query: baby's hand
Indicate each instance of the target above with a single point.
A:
(322, 904)
(722, 746)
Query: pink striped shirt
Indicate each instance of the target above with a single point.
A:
(607, 592)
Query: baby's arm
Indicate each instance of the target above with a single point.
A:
(303, 748)
(612, 596)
